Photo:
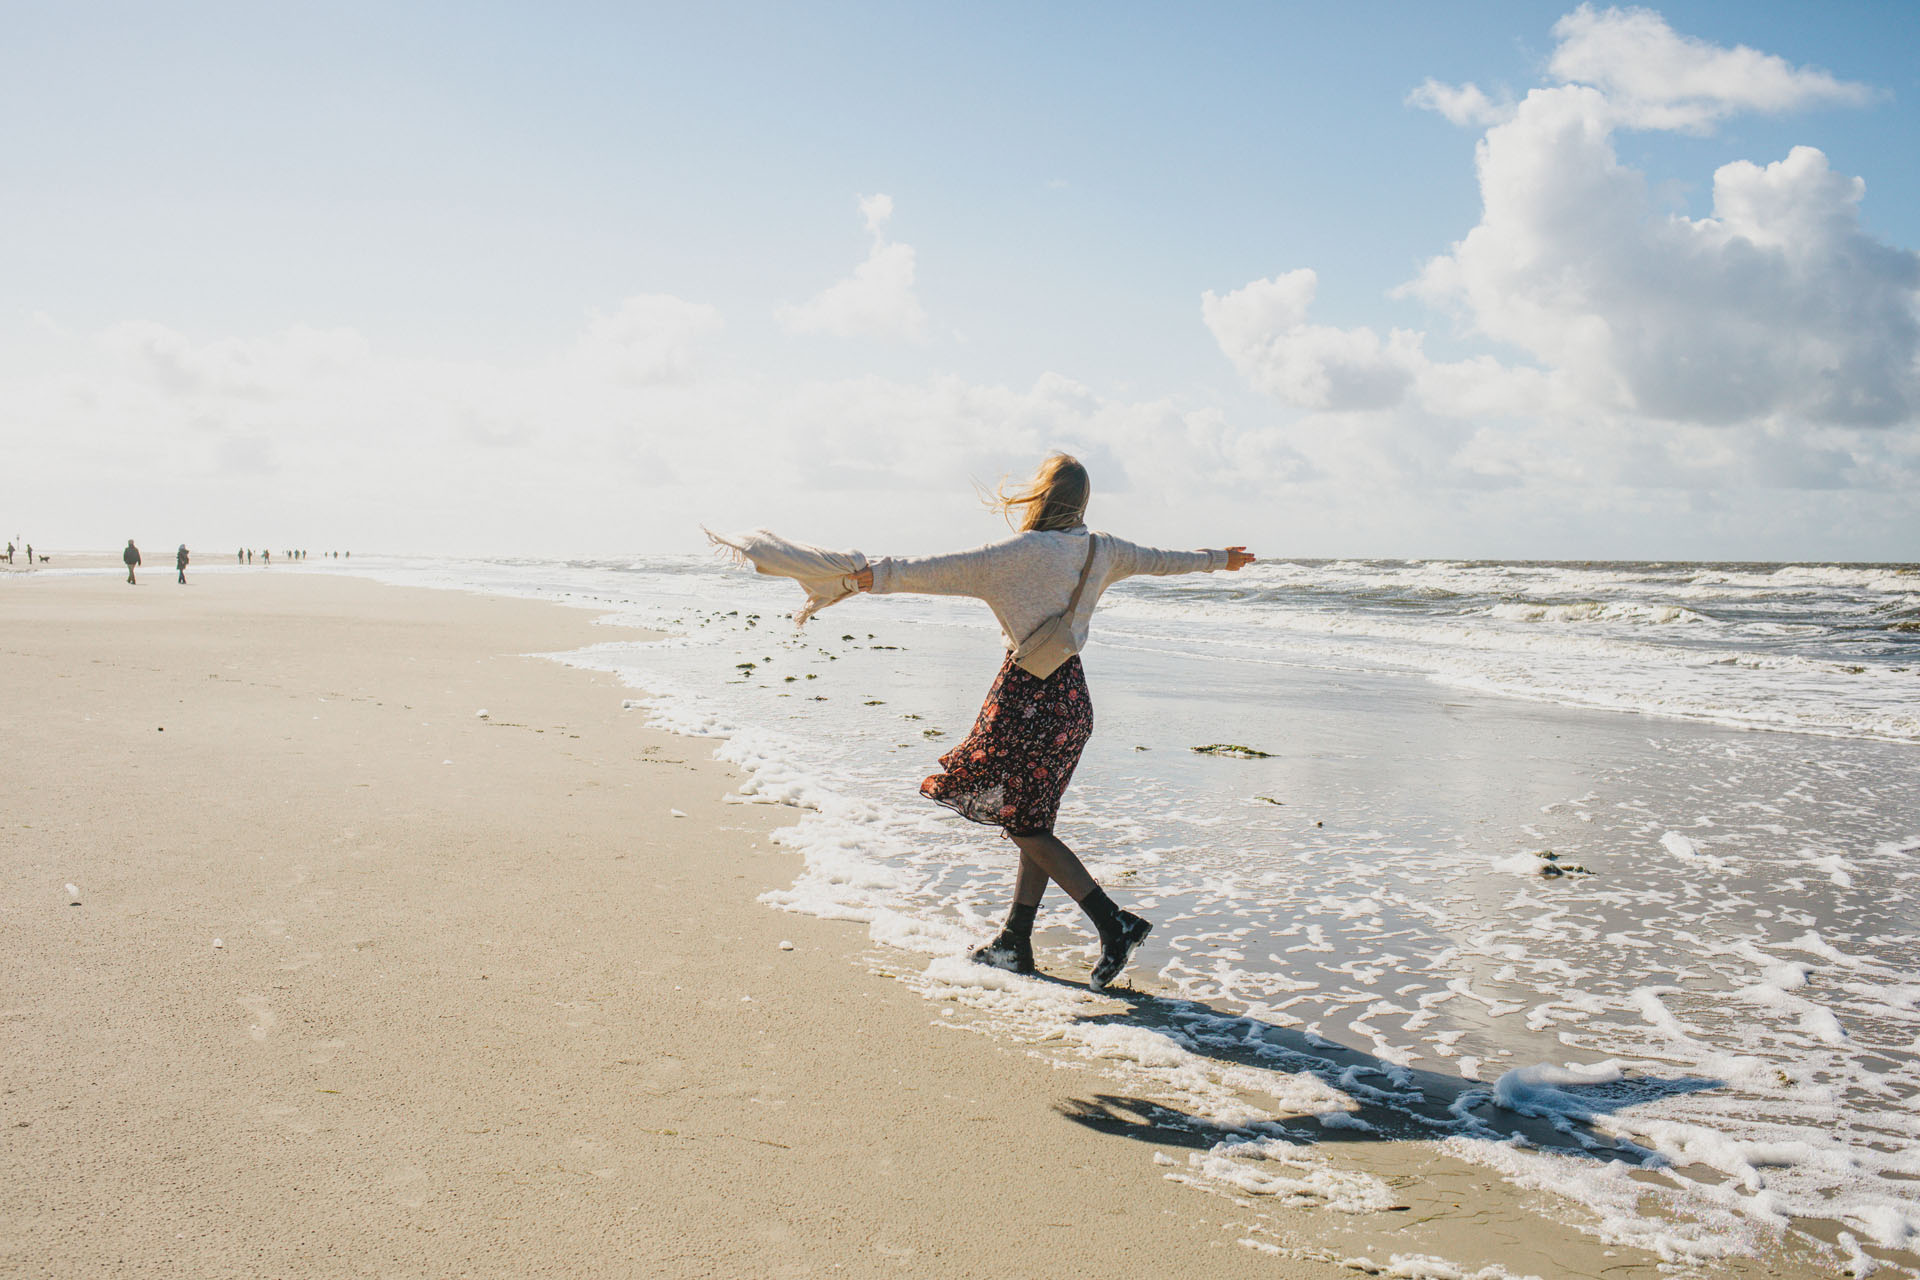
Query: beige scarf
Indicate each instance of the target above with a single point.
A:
(826, 576)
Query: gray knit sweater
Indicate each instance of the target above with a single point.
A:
(1028, 578)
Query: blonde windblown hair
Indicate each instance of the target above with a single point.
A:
(1056, 497)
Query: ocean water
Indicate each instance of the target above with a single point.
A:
(1693, 1030)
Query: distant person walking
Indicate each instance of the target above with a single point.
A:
(132, 557)
(180, 563)
(9, 553)
(29, 555)
(1012, 769)
(266, 556)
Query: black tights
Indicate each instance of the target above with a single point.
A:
(1043, 857)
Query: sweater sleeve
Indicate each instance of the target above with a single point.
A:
(1130, 559)
(960, 573)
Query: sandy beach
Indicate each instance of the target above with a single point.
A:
(360, 981)
(482, 1004)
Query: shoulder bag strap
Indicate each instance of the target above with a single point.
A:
(1085, 569)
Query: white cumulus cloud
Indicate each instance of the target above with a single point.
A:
(1263, 329)
(258, 368)
(649, 338)
(1655, 78)
(1771, 341)
(1776, 304)
(877, 300)
(877, 211)
(1465, 104)
(626, 438)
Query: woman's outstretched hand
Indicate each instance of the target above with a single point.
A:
(1238, 557)
(863, 580)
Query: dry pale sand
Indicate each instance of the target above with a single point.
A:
(482, 1005)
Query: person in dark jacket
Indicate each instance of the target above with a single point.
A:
(180, 563)
(132, 557)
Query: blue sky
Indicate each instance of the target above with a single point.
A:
(450, 193)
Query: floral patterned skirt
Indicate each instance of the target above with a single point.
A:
(1011, 770)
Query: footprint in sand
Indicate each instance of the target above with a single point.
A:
(574, 1006)
(323, 1051)
(283, 1113)
(586, 1147)
(657, 1077)
(263, 1016)
(408, 1183)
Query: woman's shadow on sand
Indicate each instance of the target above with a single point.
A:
(1391, 1102)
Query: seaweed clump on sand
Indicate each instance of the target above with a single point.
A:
(1233, 749)
(1552, 868)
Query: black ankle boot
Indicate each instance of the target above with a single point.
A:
(1013, 948)
(1121, 933)
(1010, 951)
